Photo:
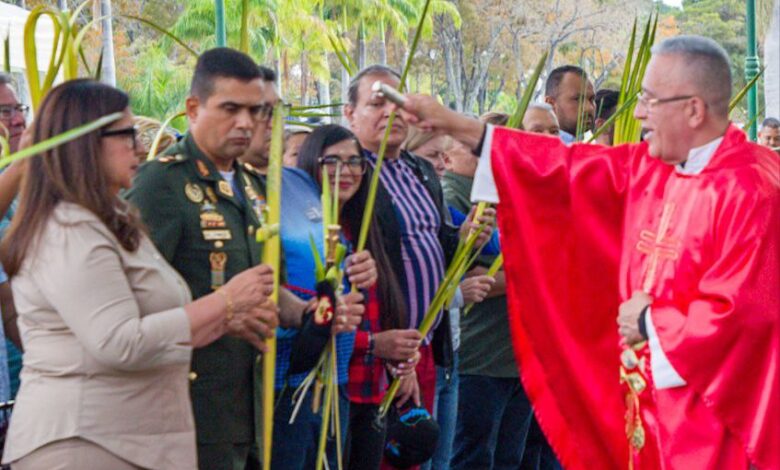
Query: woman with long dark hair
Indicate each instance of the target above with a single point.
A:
(107, 325)
(382, 336)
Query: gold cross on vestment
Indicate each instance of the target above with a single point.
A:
(658, 246)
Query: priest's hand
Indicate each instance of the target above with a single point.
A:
(361, 270)
(488, 218)
(628, 317)
(427, 113)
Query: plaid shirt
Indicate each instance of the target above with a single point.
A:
(367, 379)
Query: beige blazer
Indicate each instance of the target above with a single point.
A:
(106, 344)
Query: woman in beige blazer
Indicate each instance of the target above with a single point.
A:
(107, 325)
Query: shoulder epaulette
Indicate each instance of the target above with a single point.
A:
(171, 158)
(252, 169)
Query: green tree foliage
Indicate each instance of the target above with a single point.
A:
(723, 21)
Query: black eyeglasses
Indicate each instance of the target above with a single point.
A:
(356, 164)
(7, 111)
(131, 132)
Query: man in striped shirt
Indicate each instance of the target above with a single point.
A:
(414, 221)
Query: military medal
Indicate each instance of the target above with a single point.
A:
(193, 192)
(214, 235)
(258, 201)
(224, 188)
(211, 195)
(218, 260)
(210, 219)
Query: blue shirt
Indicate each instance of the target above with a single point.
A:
(565, 137)
(301, 220)
(6, 392)
(492, 247)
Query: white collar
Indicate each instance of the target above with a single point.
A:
(698, 158)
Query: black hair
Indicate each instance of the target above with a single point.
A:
(556, 77)
(771, 122)
(223, 62)
(606, 102)
(376, 69)
(392, 306)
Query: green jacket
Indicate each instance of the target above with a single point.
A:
(207, 233)
(485, 342)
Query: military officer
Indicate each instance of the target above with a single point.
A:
(202, 210)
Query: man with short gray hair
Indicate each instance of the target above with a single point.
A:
(675, 240)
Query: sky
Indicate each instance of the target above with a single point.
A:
(674, 3)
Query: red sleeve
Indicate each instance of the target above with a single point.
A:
(361, 342)
(560, 216)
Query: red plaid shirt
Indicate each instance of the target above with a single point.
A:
(367, 379)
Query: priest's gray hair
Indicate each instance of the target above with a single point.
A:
(708, 67)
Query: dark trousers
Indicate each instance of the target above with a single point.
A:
(494, 415)
(538, 454)
(295, 445)
(366, 437)
(227, 456)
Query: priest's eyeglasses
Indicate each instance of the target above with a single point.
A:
(130, 132)
(650, 103)
(357, 165)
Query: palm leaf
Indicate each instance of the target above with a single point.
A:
(244, 42)
(59, 139)
(272, 256)
(741, 94)
(516, 120)
(615, 116)
(164, 31)
(7, 52)
(368, 211)
(627, 128)
(160, 133)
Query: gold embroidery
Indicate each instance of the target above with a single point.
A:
(657, 246)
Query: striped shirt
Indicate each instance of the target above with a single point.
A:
(420, 221)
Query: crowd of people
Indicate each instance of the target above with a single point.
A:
(134, 291)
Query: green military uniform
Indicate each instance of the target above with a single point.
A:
(205, 227)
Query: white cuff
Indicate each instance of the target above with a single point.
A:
(664, 375)
(484, 188)
(457, 299)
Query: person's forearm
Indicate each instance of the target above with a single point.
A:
(9, 315)
(206, 315)
(499, 287)
(291, 309)
(468, 131)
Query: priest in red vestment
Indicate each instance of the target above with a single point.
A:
(643, 280)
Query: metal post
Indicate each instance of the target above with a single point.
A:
(220, 27)
(751, 68)
(108, 71)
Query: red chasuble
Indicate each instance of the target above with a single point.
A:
(585, 226)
